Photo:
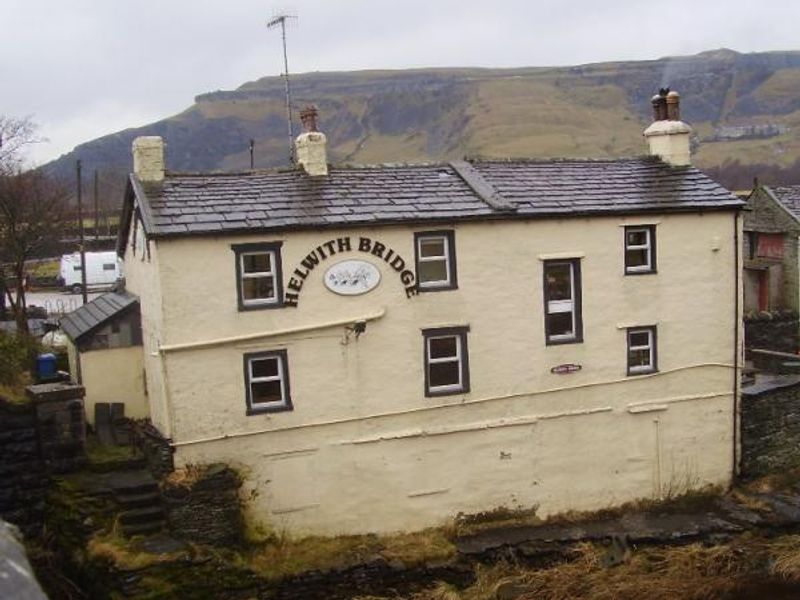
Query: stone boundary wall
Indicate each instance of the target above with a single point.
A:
(208, 510)
(770, 425)
(155, 447)
(773, 331)
(37, 439)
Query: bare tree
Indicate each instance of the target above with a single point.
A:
(32, 214)
(15, 134)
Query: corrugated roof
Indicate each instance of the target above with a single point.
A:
(94, 314)
(789, 196)
(200, 204)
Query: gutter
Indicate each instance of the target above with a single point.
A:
(737, 322)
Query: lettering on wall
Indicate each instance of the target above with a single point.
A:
(321, 253)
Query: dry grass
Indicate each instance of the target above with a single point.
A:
(186, 477)
(785, 558)
(113, 547)
(689, 572)
(15, 393)
(284, 556)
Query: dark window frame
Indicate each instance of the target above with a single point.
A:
(283, 365)
(256, 247)
(436, 332)
(653, 330)
(651, 233)
(452, 271)
(577, 301)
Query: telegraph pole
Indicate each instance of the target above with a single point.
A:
(81, 247)
(281, 20)
(96, 210)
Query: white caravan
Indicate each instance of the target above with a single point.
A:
(102, 271)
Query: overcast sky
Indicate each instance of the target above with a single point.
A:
(86, 68)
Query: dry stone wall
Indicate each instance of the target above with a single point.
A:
(771, 425)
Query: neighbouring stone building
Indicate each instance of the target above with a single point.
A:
(771, 229)
(380, 348)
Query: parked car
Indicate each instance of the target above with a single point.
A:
(103, 269)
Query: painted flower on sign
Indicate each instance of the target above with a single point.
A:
(352, 277)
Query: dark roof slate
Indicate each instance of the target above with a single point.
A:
(94, 314)
(789, 196)
(189, 204)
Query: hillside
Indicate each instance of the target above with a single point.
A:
(745, 109)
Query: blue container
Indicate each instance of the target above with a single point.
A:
(45, 366)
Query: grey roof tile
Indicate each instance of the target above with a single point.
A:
(789, 196)
(94, 314)
(259, 200)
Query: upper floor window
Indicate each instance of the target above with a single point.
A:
(640, 249)
(642, 350)
(562, 301)
(436, 260)
(446, 361)
(259, 281)
(267, 382)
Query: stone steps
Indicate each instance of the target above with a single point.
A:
(140, 500)
(137, 494)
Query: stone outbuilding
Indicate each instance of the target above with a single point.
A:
(771, 230)
(105, 353)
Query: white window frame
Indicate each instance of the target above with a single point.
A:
(275, 273)
(650, 347)
(259, 275)
(553, 307)
(447, 238)
(285, 402)
(647, 247)
(461, 357)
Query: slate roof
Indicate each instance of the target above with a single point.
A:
(96, 313)
(789, 196)
(214, 203)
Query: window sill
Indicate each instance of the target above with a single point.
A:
(648, 272)
(575, 340)
(260, 306)
(436, 288)
(642, 372)
(259, 410)
(445, 392)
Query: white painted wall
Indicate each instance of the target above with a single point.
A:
(365, 450)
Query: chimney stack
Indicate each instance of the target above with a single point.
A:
(148, 159)
(668, 136)
(310, 145)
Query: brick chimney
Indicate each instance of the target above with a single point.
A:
(148, 159)
(310, 145)
(668, 136)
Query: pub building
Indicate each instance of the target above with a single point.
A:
(380, 348)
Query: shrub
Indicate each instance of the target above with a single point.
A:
(17, 354)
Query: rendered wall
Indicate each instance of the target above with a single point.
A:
(115, 375)
(365, 450)
(142, 277)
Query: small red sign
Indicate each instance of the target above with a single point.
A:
(567, 368)
(770, 245)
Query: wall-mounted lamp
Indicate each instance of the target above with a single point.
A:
(358, 327)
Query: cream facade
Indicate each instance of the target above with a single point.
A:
(364, 449)
(382, 348)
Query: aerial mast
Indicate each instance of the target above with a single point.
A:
(281, 20)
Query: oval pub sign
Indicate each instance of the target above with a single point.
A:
(352, 277)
